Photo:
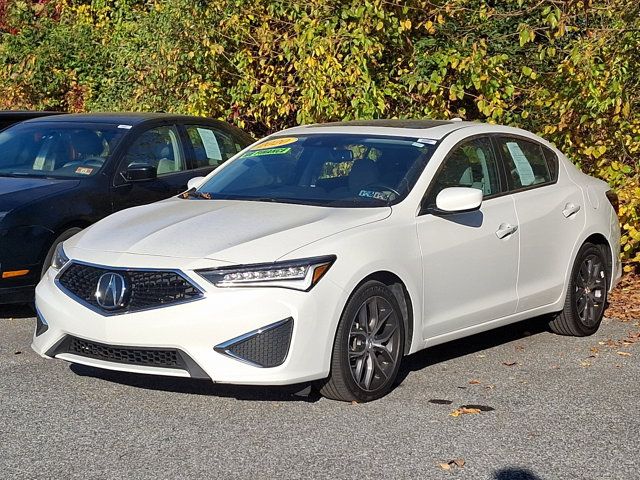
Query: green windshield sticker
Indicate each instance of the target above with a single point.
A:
(269, 151)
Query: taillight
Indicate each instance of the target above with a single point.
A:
(613, 200)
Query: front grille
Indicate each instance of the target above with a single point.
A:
(160, 357)
(267, 347)
(148, 289)
(132, 356)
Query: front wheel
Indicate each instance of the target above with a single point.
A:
(587, 295)
(368, 347)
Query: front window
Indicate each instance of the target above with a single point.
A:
(336, 170)
(57, 150)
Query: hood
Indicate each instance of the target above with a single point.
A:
(224, 230)
(17, 192)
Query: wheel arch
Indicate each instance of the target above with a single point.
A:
(59, 230)
(601, 241)
(597, 238)
(400, 291)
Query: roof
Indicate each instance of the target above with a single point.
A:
(24, 114)
(129, 118)
(433, 129)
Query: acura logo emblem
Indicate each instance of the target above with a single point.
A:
(112, 291)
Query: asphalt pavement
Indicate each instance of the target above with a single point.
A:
(539, 406)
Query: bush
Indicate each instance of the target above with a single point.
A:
(569, 71)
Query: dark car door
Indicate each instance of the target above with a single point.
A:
(161, 148)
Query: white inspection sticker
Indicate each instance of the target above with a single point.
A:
(126, 127)
(527, 177)
(428, 141)
(210, 144)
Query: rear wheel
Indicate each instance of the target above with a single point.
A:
(67, 234)
(368, 347)
(587, 295)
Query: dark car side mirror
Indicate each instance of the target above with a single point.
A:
(140, 172)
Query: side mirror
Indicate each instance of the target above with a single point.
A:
(458, 200)
(140, 172)
(194, 182)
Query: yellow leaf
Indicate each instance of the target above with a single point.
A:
(464, 411)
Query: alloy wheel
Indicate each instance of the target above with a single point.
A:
(590, 290)
(374, 343)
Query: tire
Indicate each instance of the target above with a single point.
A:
(368, 346)
(586, 297)
(67, 234)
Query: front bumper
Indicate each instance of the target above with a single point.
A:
(196, 328)
(16, 295)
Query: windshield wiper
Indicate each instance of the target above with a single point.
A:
(193, 193)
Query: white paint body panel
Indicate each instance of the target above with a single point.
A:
(459, 276)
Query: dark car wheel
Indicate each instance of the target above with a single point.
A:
(587, 295)
(64, 236)
(368, 347)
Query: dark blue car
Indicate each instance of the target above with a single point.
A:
(60, 174)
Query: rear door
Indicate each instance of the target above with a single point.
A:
(161, 147)
(470, 260)
(551, 216)
(208, 146)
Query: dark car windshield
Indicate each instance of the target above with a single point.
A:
(323, 169)
(58, 150)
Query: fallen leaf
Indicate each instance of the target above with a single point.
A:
(594, 350)
(585, 364)
(353, 402)
(624, 354)
(509, 364)
(474, 382)
(456, 462)
(464, 411)
(519, 348)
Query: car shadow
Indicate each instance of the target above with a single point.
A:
(305, 392)
(472, 344)
(515, 474)
(298, 392)
(17, 311)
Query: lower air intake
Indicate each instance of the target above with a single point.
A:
(266, 347)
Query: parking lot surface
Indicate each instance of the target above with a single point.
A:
(540, 407)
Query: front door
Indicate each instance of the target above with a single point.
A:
(470, 260)
(161, 148)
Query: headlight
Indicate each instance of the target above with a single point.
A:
(300, 274)
(59, 258)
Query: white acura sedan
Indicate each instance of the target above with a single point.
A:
(329, 252)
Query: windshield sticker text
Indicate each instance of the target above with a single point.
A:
(275, 142)
(271, 151)
(84, 171)
(373, 194)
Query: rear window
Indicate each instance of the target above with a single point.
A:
(528, 165)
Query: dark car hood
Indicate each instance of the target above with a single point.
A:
(16, 192)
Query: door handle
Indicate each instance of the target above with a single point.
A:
(570, 209)
(506, 229)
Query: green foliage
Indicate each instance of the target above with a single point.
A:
(569, 71)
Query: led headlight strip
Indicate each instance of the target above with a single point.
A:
(59, 258)
(300, 274)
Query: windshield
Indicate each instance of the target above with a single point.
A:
(58, 150)
(322, 169)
